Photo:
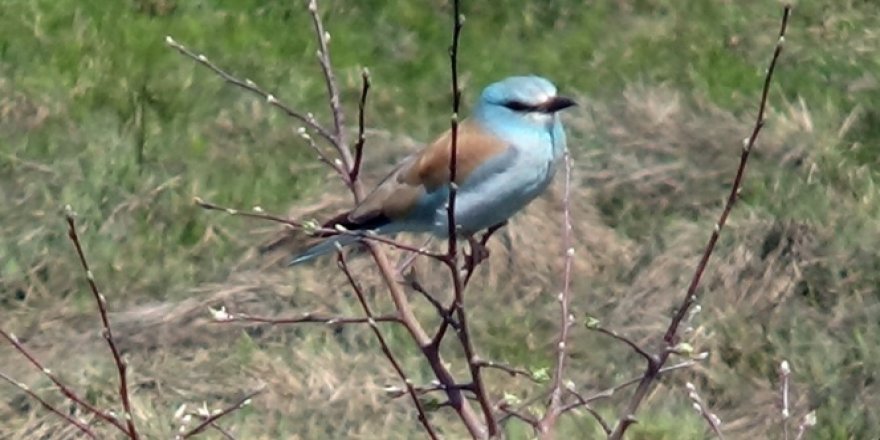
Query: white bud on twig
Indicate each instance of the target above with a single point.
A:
(170, 41)
(180, 411)
(784, 367)
(270, 98)
(220, 315)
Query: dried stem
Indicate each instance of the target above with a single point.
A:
(68, 418)
(671, 335)
(210, 419)
(106, 331)
(423, 417)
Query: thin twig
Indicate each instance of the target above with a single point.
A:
(626, 340)
(300, 226)
(548, 422)
(220, 315)
(457, 400)
(332, 89)
(248, 85)
(513, 371)
(209, 420)
(359, 145)
(611, 391)
(517, 414)
(703, 410)
(586, 407)
(106, 331)
(784, 376)
(62, 388)
(671, 334)
(68, 418)
(451, 259)
(423, 417)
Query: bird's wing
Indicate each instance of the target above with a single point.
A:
(424, 172)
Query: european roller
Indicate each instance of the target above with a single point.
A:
(507, 154)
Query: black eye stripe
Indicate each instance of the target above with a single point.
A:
(518, 106)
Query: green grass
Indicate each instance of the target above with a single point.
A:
(96, 112)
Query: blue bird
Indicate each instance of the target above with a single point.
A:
(507, 154)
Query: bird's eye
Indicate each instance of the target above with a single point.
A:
(518, 106)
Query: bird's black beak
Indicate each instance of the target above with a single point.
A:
(557, 103)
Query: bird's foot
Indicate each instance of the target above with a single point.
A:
(478, 253)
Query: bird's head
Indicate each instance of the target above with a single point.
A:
(528, 99)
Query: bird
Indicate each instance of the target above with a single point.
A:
(507, 153)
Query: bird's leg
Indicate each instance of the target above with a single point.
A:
(489, 233)
(479, 251)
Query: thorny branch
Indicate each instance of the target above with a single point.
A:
(671, 336)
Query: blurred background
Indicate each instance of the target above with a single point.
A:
(96, 112)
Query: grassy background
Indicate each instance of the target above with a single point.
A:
(97, 113)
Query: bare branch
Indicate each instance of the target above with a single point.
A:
(784, 376)
(513, 371)
(248, 85)
(106, 331)
(62, 388)
(359, 145)
(423, 417)
(323, 38)
(650, 358)
(609, 392)
(703, 410)
(302, 226)
(27, 390)
(548, 422)
(671, 335)
(220, 315)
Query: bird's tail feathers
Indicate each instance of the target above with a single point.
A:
(325, 247)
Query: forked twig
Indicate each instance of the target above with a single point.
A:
(671, 335)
